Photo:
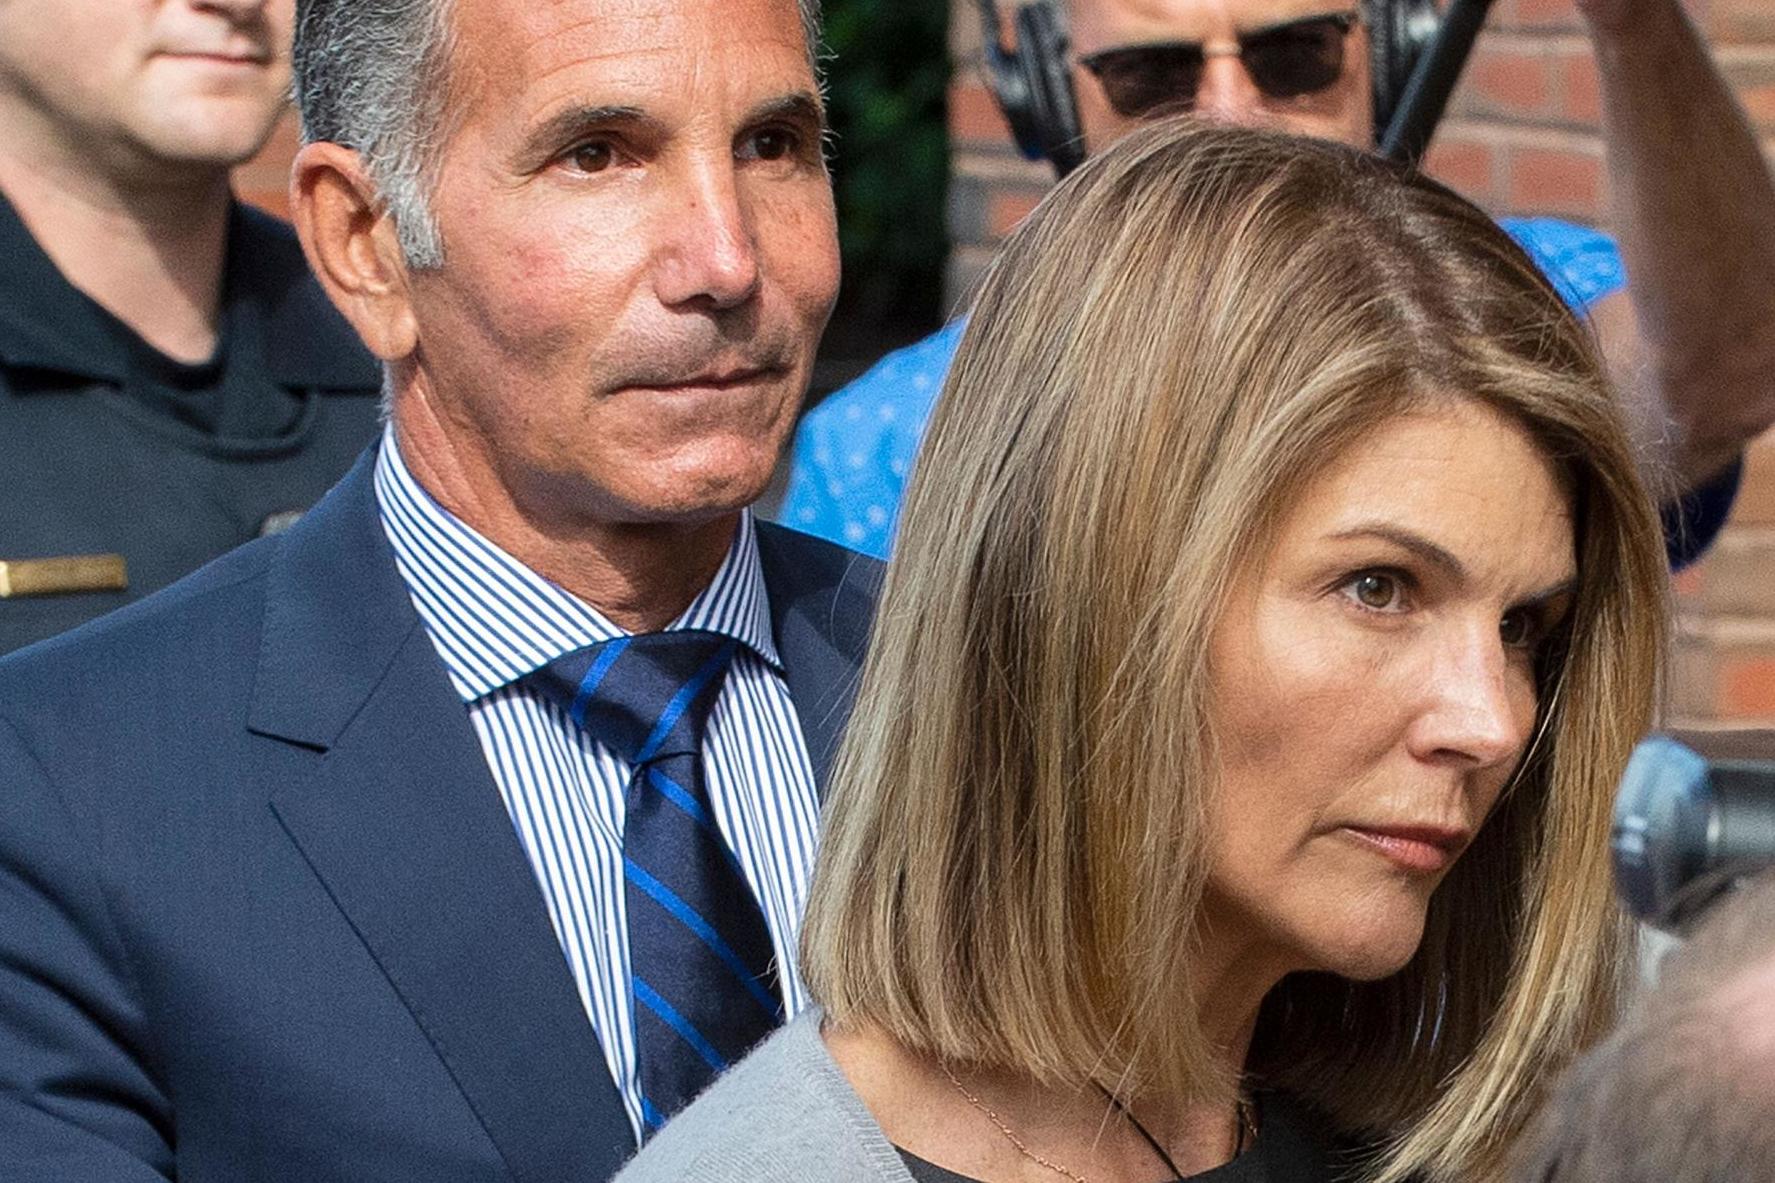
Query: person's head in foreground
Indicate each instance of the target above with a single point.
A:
(1276, 607)
(1681, 1092)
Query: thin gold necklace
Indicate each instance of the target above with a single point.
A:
(1247, 1131)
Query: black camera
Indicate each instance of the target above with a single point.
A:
(1694, 816)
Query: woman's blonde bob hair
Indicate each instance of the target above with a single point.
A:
(1180, 338)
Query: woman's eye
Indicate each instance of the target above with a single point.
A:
(1377, 591)
(1519, 629)
(594, 157)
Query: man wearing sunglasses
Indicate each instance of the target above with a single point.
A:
(1692, 342)
(1296, 71)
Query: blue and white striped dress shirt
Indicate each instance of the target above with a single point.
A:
(494, 621)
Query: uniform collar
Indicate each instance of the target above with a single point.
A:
(47, 324)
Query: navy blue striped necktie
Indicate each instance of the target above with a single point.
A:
(700, 957)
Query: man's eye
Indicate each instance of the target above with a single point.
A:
(772, 144)
(594, 157)
(1378, 591)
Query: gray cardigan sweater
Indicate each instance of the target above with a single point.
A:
(784, 1114)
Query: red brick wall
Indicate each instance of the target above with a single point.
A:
(1521, 138)
(265, 179)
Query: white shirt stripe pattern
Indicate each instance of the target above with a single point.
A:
(494, 621)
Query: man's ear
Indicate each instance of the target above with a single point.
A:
(352, 248)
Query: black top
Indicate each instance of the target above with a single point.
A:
(1291, 1147)
(107, 446)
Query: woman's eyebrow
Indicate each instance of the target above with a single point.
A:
(1410, 540)
(1445, 560)
(1565, 587)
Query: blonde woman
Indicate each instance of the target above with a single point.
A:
(1226, 797)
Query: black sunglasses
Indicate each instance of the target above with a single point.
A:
(1284, 60)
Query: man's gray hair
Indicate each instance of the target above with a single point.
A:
(370, 74)
(1684, 1090)
(373, 75)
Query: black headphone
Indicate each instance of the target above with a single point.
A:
(1033, 82)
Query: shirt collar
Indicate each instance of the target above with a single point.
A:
(495, 621)
(48, 324)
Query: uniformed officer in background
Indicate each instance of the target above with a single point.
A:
(172, 381)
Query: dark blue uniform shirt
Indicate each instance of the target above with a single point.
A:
(108, 447)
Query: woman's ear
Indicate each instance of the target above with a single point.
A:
(352, 248)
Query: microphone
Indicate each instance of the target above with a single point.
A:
(1407, 136)
(1688, 827)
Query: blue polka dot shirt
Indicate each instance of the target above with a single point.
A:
(854, 451)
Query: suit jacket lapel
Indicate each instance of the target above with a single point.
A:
(394, 808)
(822, 602)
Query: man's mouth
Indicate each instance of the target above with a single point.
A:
(238, 56)
(716, 379)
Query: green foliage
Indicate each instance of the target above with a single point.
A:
(886, 78)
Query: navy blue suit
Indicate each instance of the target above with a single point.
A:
(263, 915)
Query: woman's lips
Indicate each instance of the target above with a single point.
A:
(1421, 849)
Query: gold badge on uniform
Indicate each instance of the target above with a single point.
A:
(62, 576)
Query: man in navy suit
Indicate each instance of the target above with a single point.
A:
(461, 831)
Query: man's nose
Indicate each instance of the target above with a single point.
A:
(710, 256)
(1226, 93)
(1479, 710)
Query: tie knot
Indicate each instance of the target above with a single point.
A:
(646, 696)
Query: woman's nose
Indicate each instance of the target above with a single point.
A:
(1480, 706)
